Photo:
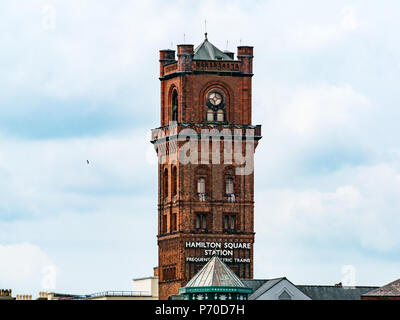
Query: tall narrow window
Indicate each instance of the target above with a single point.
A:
(173, 222)
(229, 186)
(232, 223)
(164, 223)
(220, 115)
(175, 106)
(174, 182)
(210, 115)
(165, 186)
(226, 222)
(201, 186)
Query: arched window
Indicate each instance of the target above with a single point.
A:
(215, 107)
(175, 106)
(201, 186)
(174, 183)
(165, 184)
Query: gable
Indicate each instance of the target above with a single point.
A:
(278, 288)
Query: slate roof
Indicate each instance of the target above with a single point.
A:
(315, 292)
(207, 51)
(265, 287)
(334, 292)
(215, 274)
(390, 290)
(254, 283)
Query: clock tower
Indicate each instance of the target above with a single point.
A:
(205, 147)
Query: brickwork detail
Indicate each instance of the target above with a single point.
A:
(194, 209)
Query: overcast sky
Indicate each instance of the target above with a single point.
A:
(79, 80)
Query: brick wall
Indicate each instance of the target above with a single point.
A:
(192, 86)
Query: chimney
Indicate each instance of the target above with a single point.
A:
(185, 57)
(245, 54)
(166, 56)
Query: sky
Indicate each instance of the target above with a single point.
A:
(79, 81)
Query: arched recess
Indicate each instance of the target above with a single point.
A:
(174, 187)
(223, 89)
(172, 101)
(165, 184)
(229, 174)
(175, 105)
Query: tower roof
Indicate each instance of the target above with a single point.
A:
(207, 51)
(215, 274)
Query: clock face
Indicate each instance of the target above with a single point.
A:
(215, 98)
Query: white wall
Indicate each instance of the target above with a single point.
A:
(149, 285)
(276, 290)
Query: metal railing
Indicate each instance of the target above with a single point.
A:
(119, 294)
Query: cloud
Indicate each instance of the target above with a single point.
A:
(314, 233)
(25, 265)
(311, 130)
(86, 216)
(321, 107)
(349, 19)
(316, 36)
(44, 176)
(86, 245)
(362, 214)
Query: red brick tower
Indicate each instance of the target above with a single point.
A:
(205, 207)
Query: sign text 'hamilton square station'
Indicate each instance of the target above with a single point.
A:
(224, 250)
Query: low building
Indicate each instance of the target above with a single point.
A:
(58, 296)
(275, 289)
(147, 284)
(391, 291)
(6, 294)
(23, 297)
(216, 281)
(336, 292)
(144, 289)
(283, 289)
(120, 295)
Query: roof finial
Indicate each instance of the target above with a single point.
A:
(205, 29)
